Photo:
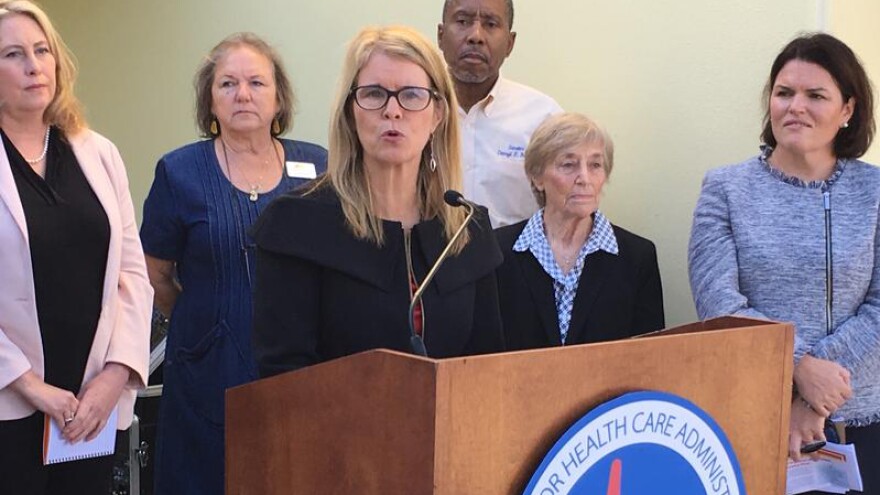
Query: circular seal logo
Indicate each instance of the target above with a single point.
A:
(641, 442)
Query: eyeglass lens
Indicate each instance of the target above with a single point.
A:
(375, 97)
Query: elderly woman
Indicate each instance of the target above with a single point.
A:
(337, 266)
(204, 198)
(766, 229)
(75, 303)
(570, 276)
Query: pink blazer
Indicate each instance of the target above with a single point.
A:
(123, 333)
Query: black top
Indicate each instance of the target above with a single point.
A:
(322, 293)
(69, 236)
(618, 296)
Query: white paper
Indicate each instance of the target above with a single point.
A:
(56, 449)
(833, 470)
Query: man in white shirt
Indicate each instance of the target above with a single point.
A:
(497, 115)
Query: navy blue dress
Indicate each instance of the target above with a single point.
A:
(196, 217)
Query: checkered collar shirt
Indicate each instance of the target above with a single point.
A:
(534, 239)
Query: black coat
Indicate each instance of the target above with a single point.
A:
(322, 293)
(617, 296)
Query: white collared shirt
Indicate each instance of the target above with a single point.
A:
(494, 135)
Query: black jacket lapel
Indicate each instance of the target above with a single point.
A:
(597, 268)
(541, 287)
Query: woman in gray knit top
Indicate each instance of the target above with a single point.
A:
(758, 244)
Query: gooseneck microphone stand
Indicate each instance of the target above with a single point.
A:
(452, 198)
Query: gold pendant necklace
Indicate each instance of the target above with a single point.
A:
(254, 191)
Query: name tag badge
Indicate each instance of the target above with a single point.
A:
(301, 170)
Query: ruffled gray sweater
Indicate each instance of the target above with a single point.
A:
(757, 249)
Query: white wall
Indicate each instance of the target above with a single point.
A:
(676, 83)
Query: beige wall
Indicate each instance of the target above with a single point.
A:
(676, 83)
(855, 22)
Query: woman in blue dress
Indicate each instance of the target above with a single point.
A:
(204, 198)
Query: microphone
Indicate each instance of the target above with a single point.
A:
(455, 199)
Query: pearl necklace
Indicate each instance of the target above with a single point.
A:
(45, 149)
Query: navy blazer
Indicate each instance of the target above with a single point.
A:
(617, 297)
(322, 293)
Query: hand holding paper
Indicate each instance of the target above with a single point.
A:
(806, 426)
(57, 449)
(834, 470)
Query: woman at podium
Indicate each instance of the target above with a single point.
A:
(569, 275)
(792, 235)
(338, 264)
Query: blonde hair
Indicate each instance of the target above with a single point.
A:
(345, 170)
(64, 111)
(558, 133)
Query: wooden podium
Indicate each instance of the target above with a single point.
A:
(383, 422)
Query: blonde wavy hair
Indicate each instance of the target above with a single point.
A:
(345, 170)
(65, 111)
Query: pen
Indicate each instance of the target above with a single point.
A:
(809, 448)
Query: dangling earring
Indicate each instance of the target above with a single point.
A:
(433, 162)
(276, 127)
(844, 125)
(215, 128)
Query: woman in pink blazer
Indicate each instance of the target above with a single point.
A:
(75, 301)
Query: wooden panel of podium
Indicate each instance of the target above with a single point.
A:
(386, 423)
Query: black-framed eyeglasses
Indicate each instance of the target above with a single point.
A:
(412, 98)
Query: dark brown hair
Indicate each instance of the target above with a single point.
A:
(845, 68)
